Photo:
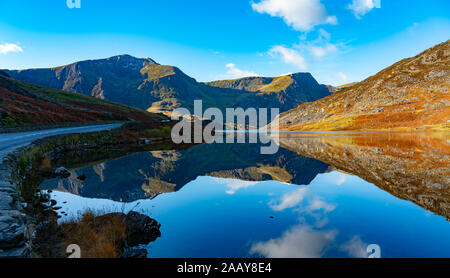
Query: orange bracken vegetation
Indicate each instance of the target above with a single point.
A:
(101, 236)
(411, 94)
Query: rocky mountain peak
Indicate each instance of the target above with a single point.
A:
(127, 59)
(303, 77)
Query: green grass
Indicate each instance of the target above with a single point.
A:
(157, 71)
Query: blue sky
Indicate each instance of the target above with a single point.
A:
(338, 41)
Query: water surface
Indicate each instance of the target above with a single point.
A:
(318, 196)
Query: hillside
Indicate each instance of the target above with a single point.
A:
(413, 93)
(23, 103)
(145, 84)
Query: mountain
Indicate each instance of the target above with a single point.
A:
(413, 93)
(143, 83)
(22, 103)
(286, 91)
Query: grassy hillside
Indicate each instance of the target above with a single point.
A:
(411, 94)
(24, 103)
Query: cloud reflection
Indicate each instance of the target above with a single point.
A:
(318, 204)
(234, 185)
(355, 247)
(300, 241)
(291, 199)
(341, 178)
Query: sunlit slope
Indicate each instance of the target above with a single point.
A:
(411, 94)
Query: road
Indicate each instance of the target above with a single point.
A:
(11, 141)
(12, 221)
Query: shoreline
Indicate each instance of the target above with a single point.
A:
(14, 233)
(21, 175)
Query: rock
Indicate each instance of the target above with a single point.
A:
(20, 252)
(135, 253)
(53, 203)
(62, 172)
(82, 177)
(6, 201)
(12, 229)
(141, 229)
(378, 110)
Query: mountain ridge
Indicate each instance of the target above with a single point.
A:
(145, 84)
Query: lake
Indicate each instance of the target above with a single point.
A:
(329, 195)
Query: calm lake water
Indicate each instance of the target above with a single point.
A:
(318, 196)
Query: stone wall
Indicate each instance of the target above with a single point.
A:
(14, 240)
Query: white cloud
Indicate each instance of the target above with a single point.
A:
(289, 56)
(234, 72)
(320, 51)
(9, 47)
(324, 34)
(361, 7)
(319, 47)
(299, 242)
(302, 15)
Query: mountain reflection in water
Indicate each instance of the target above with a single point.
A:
(413, 167)
(319, 196)
(145, 175)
